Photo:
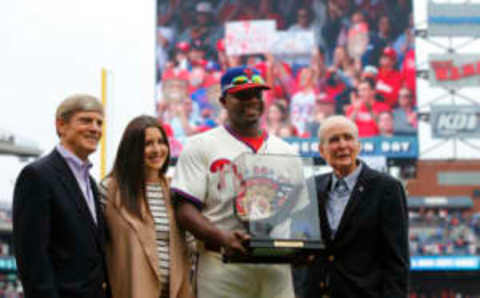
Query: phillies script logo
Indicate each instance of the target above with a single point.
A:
(249, 73)
(447, 71)
(221, 166)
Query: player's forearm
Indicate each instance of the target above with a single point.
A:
(190, 218)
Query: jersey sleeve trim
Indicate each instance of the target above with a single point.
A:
(195, 201)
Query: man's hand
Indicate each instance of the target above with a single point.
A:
(233, 242)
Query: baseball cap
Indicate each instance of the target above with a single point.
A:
(370, 70)
(241, 78)
(205, 7)
(183, 46)
(390, 52)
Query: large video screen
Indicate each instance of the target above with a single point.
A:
(445, 238)
(320, 57)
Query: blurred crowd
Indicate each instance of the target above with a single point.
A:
(11, 289)
(5, 224)
(354, 41)
(444, 232)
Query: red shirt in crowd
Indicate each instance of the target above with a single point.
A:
(367, 126)
(388, 84)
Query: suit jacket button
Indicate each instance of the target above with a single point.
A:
(331, 258)
(104, 285)
(322, 285)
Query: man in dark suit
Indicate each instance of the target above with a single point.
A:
(58, 229)
(364, 223)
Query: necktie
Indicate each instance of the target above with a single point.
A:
(341, 188)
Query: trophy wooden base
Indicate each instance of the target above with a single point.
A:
(274, 251)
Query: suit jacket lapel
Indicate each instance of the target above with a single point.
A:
(96, 199)
(100, 226)
(355, 199)
(67, 178)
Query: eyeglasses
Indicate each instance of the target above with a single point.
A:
(240, 80)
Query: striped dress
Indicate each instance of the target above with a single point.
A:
(156, 202)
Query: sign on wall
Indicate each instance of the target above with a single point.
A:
(453, 19)
(261, 36)
(390, 147)
(454, 70)
(249, 37)
(444, 263)
(455, 121)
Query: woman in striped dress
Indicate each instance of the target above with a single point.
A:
(146, 252)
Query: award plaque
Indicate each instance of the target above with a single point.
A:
(274, 198)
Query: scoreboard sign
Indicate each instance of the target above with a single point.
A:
(401, 147)
(453, 19)
(455, 121)
(454, 71)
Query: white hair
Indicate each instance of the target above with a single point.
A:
(333, 121)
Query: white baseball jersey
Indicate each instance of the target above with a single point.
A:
(197, 173)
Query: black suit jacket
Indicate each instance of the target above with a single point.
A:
(369, 255)
(58, 247)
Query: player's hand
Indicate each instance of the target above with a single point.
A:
(233, 242)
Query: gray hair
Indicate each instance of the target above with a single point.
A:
(78, 103)
(336, 120)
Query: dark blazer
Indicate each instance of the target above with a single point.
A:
(59, 248)
(369, 255)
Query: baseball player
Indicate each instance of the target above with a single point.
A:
(197, 190)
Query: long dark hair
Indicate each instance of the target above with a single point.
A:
(129, 166)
